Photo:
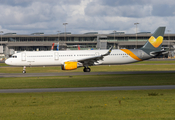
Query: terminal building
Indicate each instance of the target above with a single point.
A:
(11, 43)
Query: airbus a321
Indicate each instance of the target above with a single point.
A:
(70, 60)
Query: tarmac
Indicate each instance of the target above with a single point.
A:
(2, 75)
(87, 89)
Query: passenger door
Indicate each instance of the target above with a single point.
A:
(56, 56)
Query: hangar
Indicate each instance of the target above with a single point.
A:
(12, 42)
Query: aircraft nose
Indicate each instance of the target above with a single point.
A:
(7, 62)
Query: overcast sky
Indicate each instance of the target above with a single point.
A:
(103, 16)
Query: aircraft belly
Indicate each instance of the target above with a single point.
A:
(118, 60)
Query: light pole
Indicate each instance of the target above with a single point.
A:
(169, 42)
(136, 34)
(1, 37)
(58, 44)
(65, 31)
(169, 39)
(114, 37)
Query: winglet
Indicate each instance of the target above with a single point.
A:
(109, 51)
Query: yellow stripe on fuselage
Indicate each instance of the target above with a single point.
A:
(131, 54)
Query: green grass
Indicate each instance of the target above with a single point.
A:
(104, 68)
(139, 66)
(156, 62)
(104, 105)
(142, 62)
(3, 64)
(87, 81)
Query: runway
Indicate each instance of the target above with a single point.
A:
(87, 89)
(2, 75)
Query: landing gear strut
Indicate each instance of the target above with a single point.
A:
(24, 70)
(86, 69)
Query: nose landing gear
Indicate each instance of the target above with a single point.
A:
(24, 70)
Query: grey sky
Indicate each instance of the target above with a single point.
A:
(103, 16)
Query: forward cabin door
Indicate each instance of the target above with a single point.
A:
(23, 56)
(56, 55)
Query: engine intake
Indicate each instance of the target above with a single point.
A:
(69, 66)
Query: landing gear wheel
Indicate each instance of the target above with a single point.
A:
(23, 71)
(86, 69)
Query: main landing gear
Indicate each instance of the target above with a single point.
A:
(24, 70)
(86, 69)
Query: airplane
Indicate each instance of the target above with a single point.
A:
(70, 60)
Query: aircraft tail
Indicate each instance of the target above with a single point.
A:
(154, 43)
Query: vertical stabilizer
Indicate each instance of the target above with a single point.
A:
(154, 43)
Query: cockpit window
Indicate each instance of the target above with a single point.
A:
(14, 56)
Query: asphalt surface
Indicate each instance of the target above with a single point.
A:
(87, 89)
(2, 75)
(84, 89)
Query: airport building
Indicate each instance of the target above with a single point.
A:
(11, 43)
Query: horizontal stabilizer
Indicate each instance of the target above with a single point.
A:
(162, 52)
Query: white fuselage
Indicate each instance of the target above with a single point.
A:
(46, 58)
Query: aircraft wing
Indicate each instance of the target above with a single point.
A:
(94, 60)
(89, 61)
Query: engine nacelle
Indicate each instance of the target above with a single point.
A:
(69, 66)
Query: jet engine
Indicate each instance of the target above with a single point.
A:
(69, 66)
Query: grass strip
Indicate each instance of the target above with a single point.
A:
(103, 105)
(87, 81)
(104, 68)
(156, 62)
(141, 62)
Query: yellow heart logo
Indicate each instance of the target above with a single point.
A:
(156, 42)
